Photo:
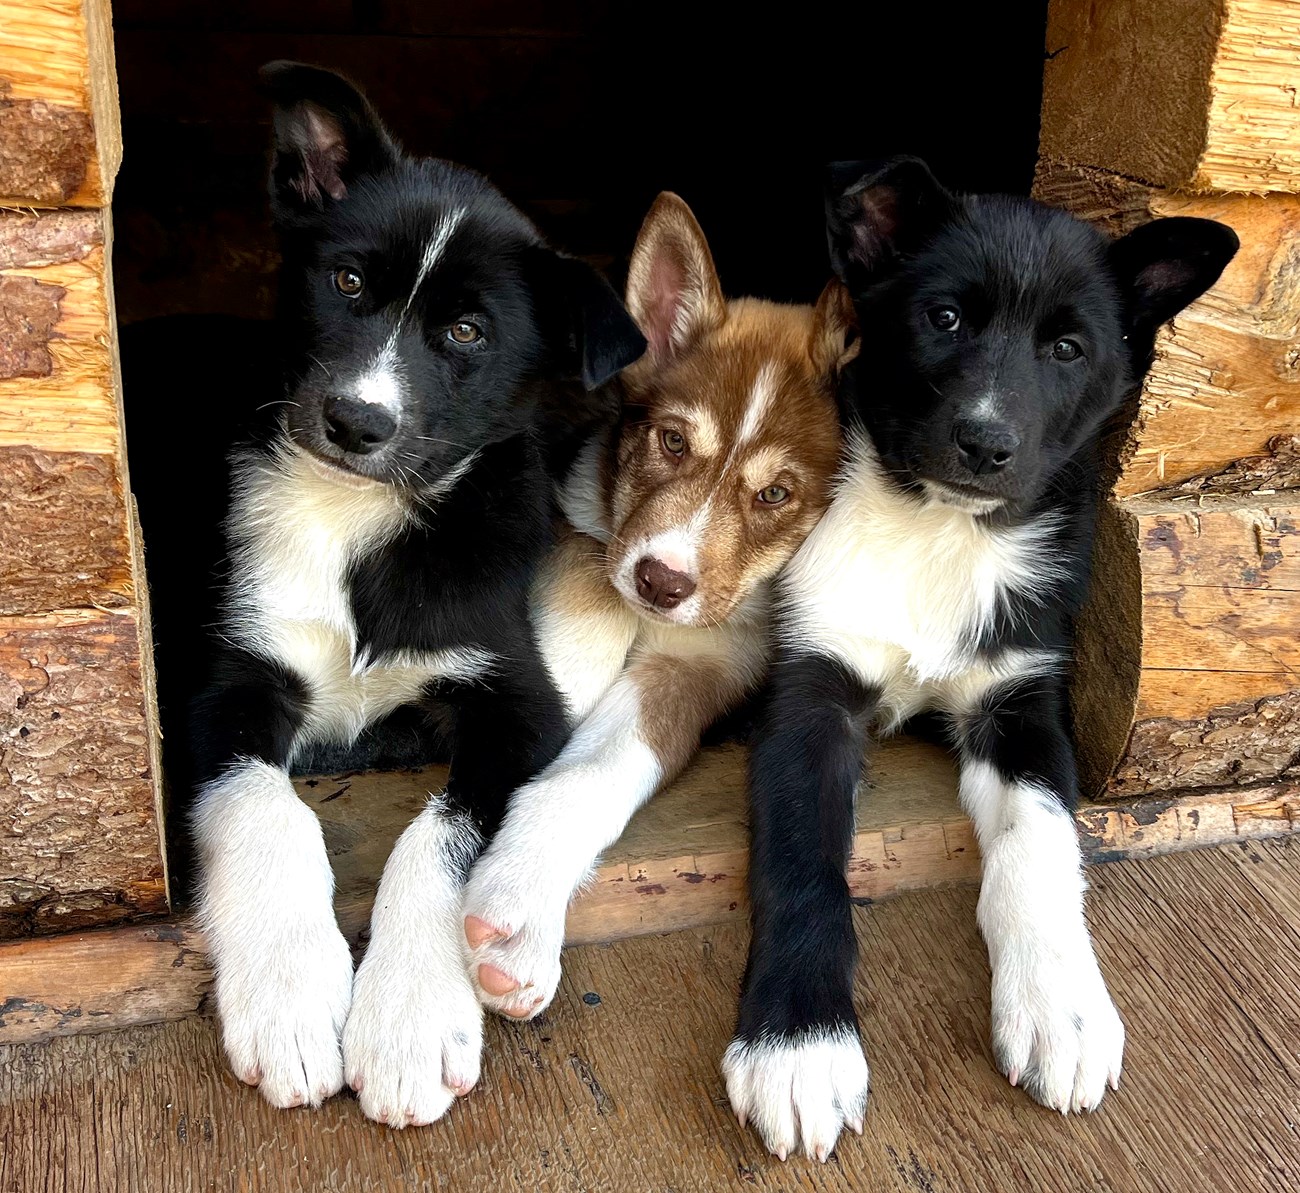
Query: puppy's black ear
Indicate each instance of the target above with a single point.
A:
(876, 213)
(326, 134)
(593, 333)
(1167, 264)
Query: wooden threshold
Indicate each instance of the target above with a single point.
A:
(681, 863)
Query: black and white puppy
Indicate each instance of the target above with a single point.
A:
(383, 540)
(999, 336)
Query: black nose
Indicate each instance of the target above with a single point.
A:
(357, 427)
(660, 586)
(985, 446)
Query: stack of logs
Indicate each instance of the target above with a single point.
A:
(80, 818)
(1190, 655)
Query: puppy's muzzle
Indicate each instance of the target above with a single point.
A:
(985, 447)
(658, 585)
(358, 428)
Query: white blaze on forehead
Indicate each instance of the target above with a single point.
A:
(382, 384)
(433, 250)
(988, 408)
(760, 401)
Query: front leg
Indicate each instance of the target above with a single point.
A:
(639, 735)
(796, 1067)
(415, 1034)
(282, 969)
(1055, 1028)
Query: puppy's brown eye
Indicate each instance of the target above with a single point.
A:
(464, 332)
(774, 495)
(944, 318)
(674, 443)
(1066, 350)
(349, 283)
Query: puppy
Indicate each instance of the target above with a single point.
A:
(653, 615)
(998, 337)
(383, 538)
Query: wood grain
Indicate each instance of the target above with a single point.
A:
(71, 405)
(63, 532)
(618, 1086)
(681, 864)
(1201, 595)
(79, 820)
(60, 133)
(1198, 94)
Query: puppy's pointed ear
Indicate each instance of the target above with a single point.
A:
(672, 285)
(326, 134)
(593, 336)
(1167, 264)
(835, 340)
(876, 214)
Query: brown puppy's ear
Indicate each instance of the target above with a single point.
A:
(835, 339)
(672, 286)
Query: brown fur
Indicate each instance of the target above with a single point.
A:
(701, 376)
(750, 387)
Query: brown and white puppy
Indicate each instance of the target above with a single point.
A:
(653, 613)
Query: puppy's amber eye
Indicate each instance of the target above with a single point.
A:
(774, 495)
(464, 332)
(944, 318)
(349, 282)
(674, 443)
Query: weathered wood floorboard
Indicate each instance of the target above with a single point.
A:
(619, 1088)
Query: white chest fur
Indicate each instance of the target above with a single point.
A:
(294, 534)
(901, 589)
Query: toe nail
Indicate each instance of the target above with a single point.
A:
(780, 1153)
(479, 932)
(741, 1117)
(495, 981)
(1014, 1076)
(357, 1084)
(821, 1153)
(855, 1124)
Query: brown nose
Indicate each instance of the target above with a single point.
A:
(660, 586)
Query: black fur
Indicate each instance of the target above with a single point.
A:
(345, 198)
(808, 747)
(1020, 278)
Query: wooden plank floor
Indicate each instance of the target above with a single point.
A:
(619, 1089)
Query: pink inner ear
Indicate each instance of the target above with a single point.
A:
(324, 154)
(663, 298)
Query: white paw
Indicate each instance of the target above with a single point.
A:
(514, 927)
(800, 1091)
(282, 999)
(1055, 1029)
(413, 1041)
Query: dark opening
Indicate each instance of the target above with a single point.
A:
(580, 110)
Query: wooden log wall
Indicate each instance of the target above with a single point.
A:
(1190, 654)
(80, 813)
